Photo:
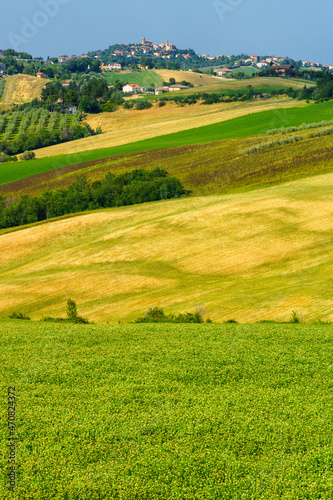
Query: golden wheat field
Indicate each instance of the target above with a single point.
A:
(250, 256)
(22, 88)
(125, 126)
(195, 78)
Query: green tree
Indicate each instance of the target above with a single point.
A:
(146, 62)
(72, 314)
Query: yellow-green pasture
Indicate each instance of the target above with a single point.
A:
(247, 256)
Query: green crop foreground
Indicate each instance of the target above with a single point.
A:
(169, 411)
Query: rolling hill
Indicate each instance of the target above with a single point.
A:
(196, 79)
(146, 79)
(255, 123)
(22, 88)
(231, 86)
(207, 168)
(246, 256)
(129, 126)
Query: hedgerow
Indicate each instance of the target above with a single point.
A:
(139, 186)
(281, 141)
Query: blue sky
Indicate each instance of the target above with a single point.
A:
(300, 29)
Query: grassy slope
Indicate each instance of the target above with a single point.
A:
(247, 70)
(22, 88)
(210, 168)
(256, 123)
(195, 78)
(230, 86)
(142, 78)
(169, 412)
(128, 126)
(249, 256)
(157, 77)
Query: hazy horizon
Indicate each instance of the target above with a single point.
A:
(292, 28)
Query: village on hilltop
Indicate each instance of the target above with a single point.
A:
(148, 55)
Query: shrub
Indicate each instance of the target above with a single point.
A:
(294, 318)
(188, 318)
(157, 315)
(19, 315)
(143, 104)
(72, 315)
(50, 319)
(128, 104)
(28, 155)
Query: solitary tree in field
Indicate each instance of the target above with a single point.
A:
(72, 314)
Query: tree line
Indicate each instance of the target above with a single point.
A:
(138, 186)
(321, 91)
(21, 62)
(91, 95)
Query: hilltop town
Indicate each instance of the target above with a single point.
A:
(149, 55)
(181, 59)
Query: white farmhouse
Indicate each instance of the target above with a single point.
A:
(132, 88)
(224, 71)
(114, 66)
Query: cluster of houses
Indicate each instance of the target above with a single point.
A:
(147, 47)
(133, 88)
(163, 50)
(265, 63)
(167, 50)
(255, 61)
(63, 59)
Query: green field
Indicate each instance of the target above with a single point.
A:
(252, 124)
(231, 87)
(145, 79)
(210, 168)
(169, 412)
(247, 70)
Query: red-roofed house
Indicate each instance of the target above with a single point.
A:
(224, 71)
(132, 88)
